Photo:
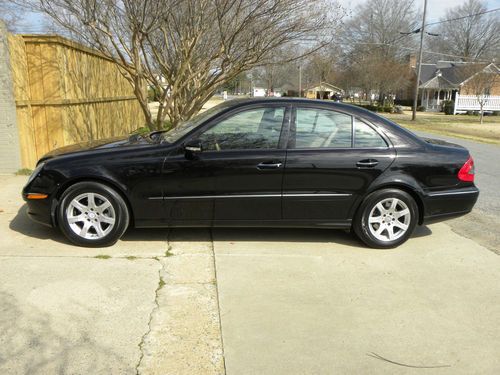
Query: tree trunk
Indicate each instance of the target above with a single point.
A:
(143, 102)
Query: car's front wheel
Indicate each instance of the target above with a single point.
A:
(92, 214)
(386, 218)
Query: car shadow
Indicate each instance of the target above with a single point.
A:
(21, 223)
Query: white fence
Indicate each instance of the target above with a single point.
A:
(471, 103)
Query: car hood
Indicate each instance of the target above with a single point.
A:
(108, 143)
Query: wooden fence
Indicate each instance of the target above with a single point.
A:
(66, 93)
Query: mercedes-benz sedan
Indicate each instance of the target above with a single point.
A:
(256, 163)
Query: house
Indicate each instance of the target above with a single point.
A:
(445, 80)
(323, 91)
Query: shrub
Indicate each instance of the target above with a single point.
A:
(371, 107)
(386, 109)
(404, 102)
(24, 172)
(153, 94)
(421, 108)
(398, 109)
(496, 113)
(448, 107)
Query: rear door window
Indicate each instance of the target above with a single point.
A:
(366, 137)
(322, 128)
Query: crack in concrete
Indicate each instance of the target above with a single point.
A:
(212, 247)
(127, 257)
(163, 272)
(155, 308)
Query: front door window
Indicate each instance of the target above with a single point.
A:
(253, 129)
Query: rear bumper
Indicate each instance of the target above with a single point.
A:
(449, 204)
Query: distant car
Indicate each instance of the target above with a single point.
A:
(258, 92)
(256, 163)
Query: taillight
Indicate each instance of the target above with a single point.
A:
(466, 173)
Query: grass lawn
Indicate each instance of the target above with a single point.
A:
(461, 126)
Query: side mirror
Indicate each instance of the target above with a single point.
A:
(191, 148)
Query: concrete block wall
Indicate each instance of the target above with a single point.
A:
(10, 157)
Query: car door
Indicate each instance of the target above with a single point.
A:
(237, 174)
(332, 158)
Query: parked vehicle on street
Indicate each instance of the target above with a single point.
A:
(256, 163)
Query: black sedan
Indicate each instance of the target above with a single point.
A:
(256, 163)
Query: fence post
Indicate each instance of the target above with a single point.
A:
(10, 154)
(457, 97)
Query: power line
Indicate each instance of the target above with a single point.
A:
(413, 49)
(463, 17)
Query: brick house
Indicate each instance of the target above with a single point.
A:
(445, 80)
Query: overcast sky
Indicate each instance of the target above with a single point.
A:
(435, 8)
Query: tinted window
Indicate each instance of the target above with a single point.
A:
(365, 136)
(257, 128)
(321, 128)
(173, 135)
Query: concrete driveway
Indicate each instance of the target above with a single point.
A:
(288, 302)
(147, 305)
(315, 302)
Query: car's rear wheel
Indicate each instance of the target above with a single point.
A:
(386, 218)
(92, 214)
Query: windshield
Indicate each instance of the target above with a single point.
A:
(173, 135)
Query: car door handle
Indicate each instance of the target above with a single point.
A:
(267, 165)
(367, 163)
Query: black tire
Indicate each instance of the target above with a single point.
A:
(361, 223)
(101, 192)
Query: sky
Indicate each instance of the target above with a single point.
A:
(435, 10)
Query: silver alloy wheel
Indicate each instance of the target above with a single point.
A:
(389, 219)
(91, 216)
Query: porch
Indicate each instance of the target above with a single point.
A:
(432, 99)
(435, 91)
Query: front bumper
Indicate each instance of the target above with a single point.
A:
(448, 204)
(41, 211)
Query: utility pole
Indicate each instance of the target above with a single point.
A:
(300, 81)
(419, 64)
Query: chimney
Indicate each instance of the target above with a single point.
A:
(412, 60)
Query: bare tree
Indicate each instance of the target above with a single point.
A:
(472, 37)
(377, 24)
(321, 66)
(374, 48)
(186, 49)
(482, 78)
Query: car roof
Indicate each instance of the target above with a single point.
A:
(342, 106)
(351, 109)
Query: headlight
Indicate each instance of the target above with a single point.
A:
(37, 170)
